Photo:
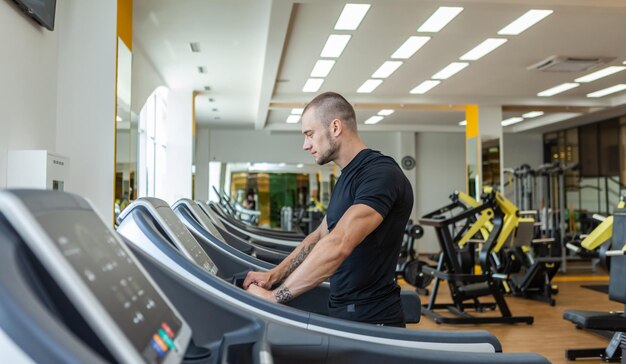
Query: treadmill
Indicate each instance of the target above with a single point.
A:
(54, 240)
(72, 292)
(265, 239)
(231, 262)
(145, 224)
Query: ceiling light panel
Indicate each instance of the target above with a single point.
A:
(483, 49)
(386, 112)
(335, 45)
(600, 74)
(292, 119)
(511, 121)
(424, 87)
(463, 123)
(369, 86)
(524, 22)
(351, 16)
(313, 85)
(532, 114)
(558, 89)
(450, 70)
(409, 47)
(440, 18)
(608, 91)
(201, 69)
(374, 119)
(386, 69)
(297, 111)
(322, 68)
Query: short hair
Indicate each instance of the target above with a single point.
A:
(331, 105)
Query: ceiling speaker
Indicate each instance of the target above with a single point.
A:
(408, 162)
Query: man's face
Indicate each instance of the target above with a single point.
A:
(318, 139)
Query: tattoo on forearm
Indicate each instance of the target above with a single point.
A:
(283, 294)
(296, 261)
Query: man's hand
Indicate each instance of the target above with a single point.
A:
(261, 292)
(261, 279)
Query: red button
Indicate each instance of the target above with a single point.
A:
(167, 329)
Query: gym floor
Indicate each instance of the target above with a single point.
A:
(549, 335)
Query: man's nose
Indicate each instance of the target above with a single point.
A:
(306, 145)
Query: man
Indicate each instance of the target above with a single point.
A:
(358, 242)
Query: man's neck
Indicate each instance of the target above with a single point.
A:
(348, 151)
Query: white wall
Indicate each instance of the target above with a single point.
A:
(440, 171)
(523, 148)
(86, 97)
(28, 79)
(262, 146)
(179, 146)
(145, 79)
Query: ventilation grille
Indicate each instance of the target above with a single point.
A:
(568, 64)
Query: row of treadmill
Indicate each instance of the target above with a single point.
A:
(164, 286)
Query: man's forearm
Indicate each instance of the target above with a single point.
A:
(293, 260)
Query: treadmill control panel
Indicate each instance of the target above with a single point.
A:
(186, 241)
(115, 280)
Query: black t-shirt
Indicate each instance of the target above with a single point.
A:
(364, 288)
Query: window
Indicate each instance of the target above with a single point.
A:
(152, 144)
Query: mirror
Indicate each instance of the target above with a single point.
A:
(472, 164)
(126, 133)
(491, 163)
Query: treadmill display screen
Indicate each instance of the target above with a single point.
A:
(186, 241)
(115, 280)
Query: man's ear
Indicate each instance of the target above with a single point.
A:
(336, 127)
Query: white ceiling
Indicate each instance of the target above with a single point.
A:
(259, 54)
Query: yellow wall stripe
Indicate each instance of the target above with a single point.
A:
(125, 22)
(471, 116)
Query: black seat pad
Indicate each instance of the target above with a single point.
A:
(596, 320)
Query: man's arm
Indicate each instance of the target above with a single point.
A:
(279, 273)
(327, 255)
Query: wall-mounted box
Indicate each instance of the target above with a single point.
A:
(38, 169)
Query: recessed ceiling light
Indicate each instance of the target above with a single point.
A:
(300, 165)
(511, 121)
(297, 111)
(463, 123)
(214, 109)
(558, 89)
(211, 99)
(608, 91)
(524, 22)
(374, 119)
(386, 112)
(292, 119)
(195, 47)
(532, 114)
(599, 74)
(369, 86)
(335, 45)
(351, 16)
(322, 68)
(440, 18)
(424, 87)
(207, 88)
(409, 47)
(482, 49)
(118, 119)
(313, 85)
(201, 69)
(386, 69)
(450, 70)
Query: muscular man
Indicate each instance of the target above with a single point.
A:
(358, 242)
